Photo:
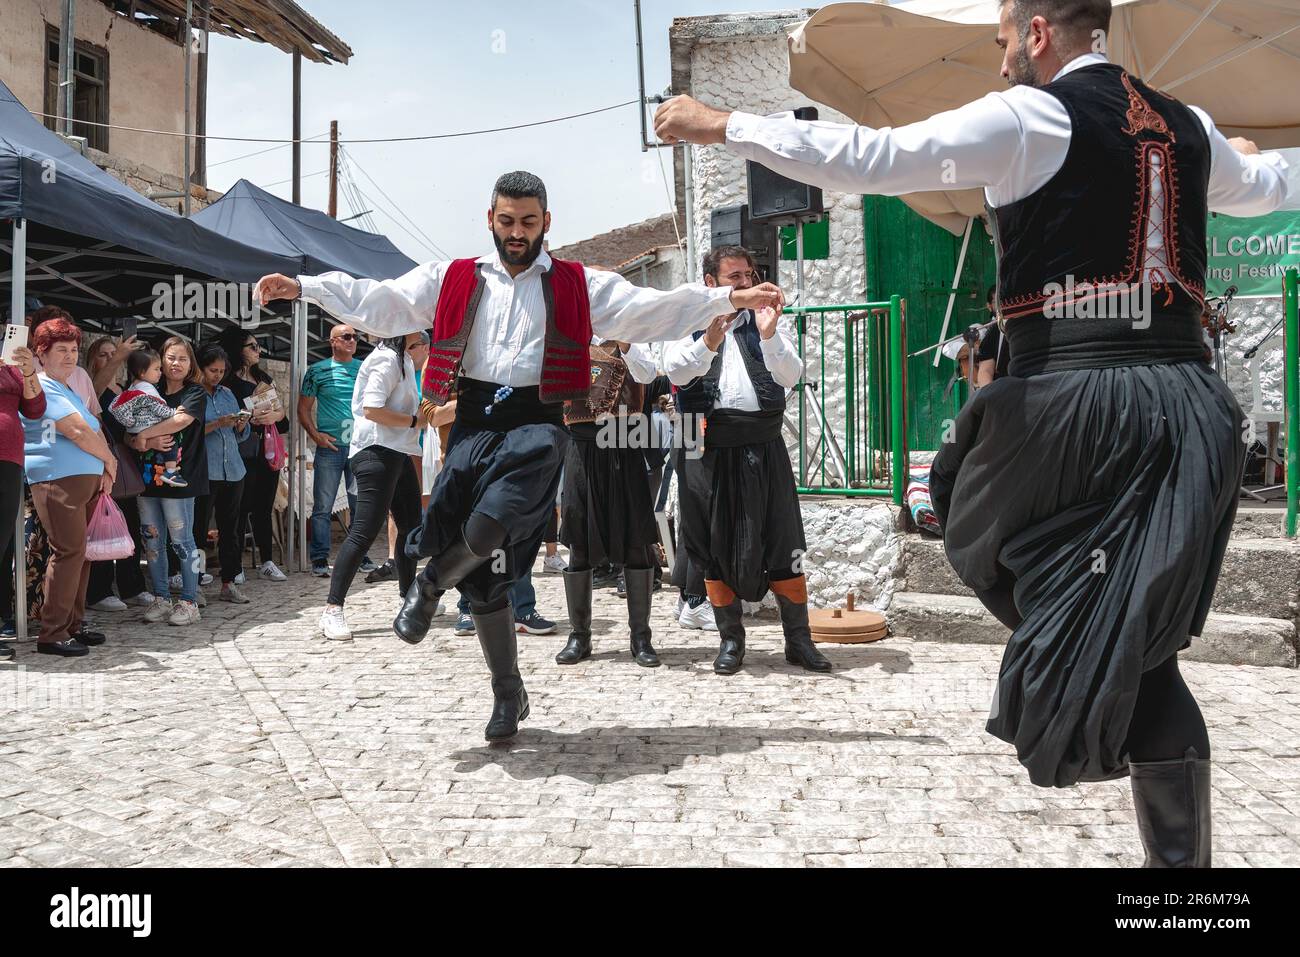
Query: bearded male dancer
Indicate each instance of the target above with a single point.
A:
(512, 330)
(1104, 561)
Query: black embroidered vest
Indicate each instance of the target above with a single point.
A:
(700, 394)
(1071, 256)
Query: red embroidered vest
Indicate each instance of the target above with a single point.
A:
(565, 369)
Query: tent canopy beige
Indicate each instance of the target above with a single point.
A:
(887, 65)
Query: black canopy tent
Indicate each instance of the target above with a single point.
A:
(252, 215)
(79, 238)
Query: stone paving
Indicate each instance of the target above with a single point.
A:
(248, 740)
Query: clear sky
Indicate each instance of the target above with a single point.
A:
(441, 67)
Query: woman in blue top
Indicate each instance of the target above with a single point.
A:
(68, 465)
(226, 426)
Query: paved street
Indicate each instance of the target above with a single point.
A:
(247, 740)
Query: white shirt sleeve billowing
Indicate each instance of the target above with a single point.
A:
(620, 310)
(687, 359)
(642, 363)
(1242, 185)
(782, 358)
(387, 307)
(976, 145)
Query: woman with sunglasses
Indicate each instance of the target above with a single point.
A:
(245, 377)
(386, 424)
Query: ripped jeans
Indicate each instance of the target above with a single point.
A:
(164, 522)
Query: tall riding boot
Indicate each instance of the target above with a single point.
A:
(729, 615)
(1172, 800)
(445, 571)
(640, 581)
(792, 598)
(577, 594)
(496, 636)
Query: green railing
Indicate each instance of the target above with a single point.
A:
(853, 440)
(1291, 360)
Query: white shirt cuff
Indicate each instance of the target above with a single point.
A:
(774, 347)
(311, 287)
(700, 349)
(741, 126)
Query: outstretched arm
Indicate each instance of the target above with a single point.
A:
(628, 313)
(386, 308)
(974, 146)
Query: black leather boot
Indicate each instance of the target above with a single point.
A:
(639, 583)
(496, 636)
(421, 603)
(1172, 801)
(577, 594)
(799, 647)
(731, 628)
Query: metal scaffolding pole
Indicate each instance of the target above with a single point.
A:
(17, 310)
(300, 470)
(295, 441)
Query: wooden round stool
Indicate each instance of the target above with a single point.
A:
(846, 626)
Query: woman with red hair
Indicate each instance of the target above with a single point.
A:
(68, 465)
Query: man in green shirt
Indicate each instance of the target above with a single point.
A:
(328, 385)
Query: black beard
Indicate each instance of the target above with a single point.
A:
(526, 258)
(1022, 72)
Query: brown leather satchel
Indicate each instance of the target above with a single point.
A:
(611, 388)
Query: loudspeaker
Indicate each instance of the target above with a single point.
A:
(775, 199)
(733, 226)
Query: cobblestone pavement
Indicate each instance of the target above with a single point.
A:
(247, 740)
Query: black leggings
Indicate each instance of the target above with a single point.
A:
(259, 499)
(1166, 719)
(11, 500)
(224, 499)
(386, 481)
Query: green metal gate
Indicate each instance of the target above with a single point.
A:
(908, 255)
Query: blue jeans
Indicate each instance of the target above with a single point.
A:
(523, 598)
(169, 523)
(329, 467)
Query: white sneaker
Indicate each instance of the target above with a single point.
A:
(240, 579)
(554, 564)
(700, 617)
(231, 593)
(333, 626)
(185, 613)
(271, 572)
(144, 599)
(205, 579)
(174, 583)
(111, 603)
(160, 610)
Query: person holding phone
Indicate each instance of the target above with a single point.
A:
(226, 425)
(21, 393)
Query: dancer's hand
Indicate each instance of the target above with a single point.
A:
(1243, 146)
(276, 286)
(765, 319)
(758, 297)
(684, 119)
(717, 330)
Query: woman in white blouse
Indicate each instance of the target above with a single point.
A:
(386, 421)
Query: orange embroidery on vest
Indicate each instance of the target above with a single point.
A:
(1141, 116)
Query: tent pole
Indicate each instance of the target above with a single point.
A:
(294, 441)
(300, 472)
(17, 310)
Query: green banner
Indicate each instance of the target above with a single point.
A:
(1252, 253)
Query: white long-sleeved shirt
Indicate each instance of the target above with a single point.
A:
(1010, 144)
(688, 359)
(642, 362)
(505, 345)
